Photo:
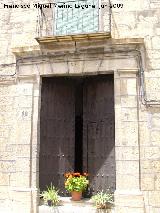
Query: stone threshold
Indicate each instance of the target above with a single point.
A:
(68, 206)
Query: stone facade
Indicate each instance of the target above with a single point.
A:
(135, 38)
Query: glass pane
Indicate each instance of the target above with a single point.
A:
(72, 17)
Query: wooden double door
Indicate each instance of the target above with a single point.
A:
(77, 131)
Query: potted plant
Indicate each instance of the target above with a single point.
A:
(76, 183)
(103, 200)
(50, 196)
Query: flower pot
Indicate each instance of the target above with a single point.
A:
(76, 196)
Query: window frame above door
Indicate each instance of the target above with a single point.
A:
(98, 29)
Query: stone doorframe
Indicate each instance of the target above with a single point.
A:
(119, 57)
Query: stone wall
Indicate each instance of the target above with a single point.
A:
(17, 101)
(17, 159)
(140, 19)
(19, 104)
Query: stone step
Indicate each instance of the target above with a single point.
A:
(73, 209)
(69, 206)
(82, 202)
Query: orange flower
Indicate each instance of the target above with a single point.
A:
(76, 174)
(85, 174)
(70, 176)
(67, 174)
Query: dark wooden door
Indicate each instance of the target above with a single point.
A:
(61, 134)
(57, 131)
(98, 132)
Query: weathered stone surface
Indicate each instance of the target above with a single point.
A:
(156, 166)
(155, 138)
(146, 167)
(148, 181)
(150, 153)
(154, 198)
(144, 128)
(68, 208)
(129, 210)
(129, 198)
(156, 42)
(130, 137)
(123, 168)
(127, 153)
(127, 181)
(4, 179)
(8, 166)
(157, 182)
(129, 101)
(137, 128)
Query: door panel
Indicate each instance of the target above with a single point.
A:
(98, 133)
(59, 109)
(57, 127)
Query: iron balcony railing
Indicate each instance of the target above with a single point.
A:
(72, 17)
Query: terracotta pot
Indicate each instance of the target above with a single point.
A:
(76, 196)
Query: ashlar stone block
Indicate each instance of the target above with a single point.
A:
(154, 198)
(147, 182)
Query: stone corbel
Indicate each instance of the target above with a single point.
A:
(127, 72)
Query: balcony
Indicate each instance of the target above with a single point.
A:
(74, 19)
